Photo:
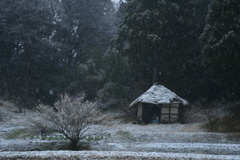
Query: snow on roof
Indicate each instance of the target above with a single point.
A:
(158, 94)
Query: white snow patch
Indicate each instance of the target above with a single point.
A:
(112, 155)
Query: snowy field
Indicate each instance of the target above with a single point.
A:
(109, 155)
(121, 140)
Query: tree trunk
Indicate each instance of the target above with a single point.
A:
(73, 144)
(155, 75)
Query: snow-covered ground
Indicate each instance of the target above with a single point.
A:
(121, 141)
(109, 155)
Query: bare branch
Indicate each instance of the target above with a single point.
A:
(71, 117)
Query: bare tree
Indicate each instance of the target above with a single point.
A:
(69, 116)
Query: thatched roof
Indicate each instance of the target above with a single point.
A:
(158, 94)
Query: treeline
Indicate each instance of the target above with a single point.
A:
(51, 47)
(191, 47)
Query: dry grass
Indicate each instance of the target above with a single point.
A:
(228, 124)
(20, 133)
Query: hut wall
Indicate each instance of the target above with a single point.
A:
(170, 112)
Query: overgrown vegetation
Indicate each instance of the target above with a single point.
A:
(228, 123)
(124, 134)
(22, 133)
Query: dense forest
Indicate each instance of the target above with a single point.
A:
(52, 47)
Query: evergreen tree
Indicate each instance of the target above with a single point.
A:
(27, 51)
(220, 52)
(116, 78)
(44, 42)
(160, 39)
(84, 38)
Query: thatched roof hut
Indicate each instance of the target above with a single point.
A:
(159, 104)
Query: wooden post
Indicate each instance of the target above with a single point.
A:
(139, 111)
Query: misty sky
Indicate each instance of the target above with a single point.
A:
(116, 1)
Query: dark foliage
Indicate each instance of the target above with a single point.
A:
(49, 47)
(160, 40)
(44, 41)
(220, 52)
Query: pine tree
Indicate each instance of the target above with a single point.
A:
(160, 39)
(29, 52)
(221, 46)
(44, 41)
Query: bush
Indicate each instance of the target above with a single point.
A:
(213, 125)
(69, 116)
(230, 123)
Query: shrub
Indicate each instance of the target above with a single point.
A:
(230, 123)
(69, 116)
(213, 125)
